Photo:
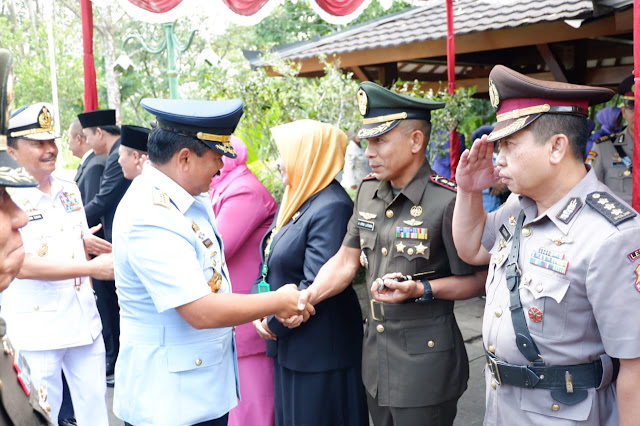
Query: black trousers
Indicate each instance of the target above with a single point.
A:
(432, 415)
(109, 310)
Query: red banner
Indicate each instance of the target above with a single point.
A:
(158, 6)
(90, 90)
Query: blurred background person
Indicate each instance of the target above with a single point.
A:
(244, 209)
(356, 165)
(610, 119)
(492, 197)
(317, 366)
(132, 152)
(91, 165)
(442, 162)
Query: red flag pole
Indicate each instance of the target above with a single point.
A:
(635, 200)
(90, 90)
(454, 141)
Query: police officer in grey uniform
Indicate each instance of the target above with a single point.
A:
(563, 289)
(414, 362)
(612, 155)
(19, 401)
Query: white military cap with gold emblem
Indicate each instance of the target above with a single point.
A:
(33, 122)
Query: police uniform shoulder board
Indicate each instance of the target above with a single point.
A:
(605, 138)
(444, 182)
(613, 210)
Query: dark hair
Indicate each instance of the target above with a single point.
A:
(573, 127)
(112, 129)
(629, 104)
(12, 142)
(162, 145)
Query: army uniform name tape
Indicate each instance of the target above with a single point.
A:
(411, 233)
(365, 224)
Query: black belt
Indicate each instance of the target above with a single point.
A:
(557, 377)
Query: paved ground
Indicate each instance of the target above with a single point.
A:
(471, 405)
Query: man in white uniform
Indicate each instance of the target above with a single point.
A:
(50, 308)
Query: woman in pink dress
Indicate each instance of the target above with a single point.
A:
(244, 210)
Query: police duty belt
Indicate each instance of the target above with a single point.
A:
(568, 383)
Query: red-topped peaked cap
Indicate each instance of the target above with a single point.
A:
(520, 100)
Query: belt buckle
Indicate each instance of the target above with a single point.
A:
(373, 303)
(517, 267)
(493, 367)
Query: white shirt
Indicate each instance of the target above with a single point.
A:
(43, 315)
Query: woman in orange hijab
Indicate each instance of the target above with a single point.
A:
(317, 365)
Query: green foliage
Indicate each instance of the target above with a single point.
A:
(461, 110)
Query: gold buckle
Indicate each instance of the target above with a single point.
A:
(495, 372)
(373, 310)
(517, 267)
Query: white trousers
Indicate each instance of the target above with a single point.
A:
(84, 369)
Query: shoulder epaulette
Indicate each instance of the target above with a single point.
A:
(444, 182)
(161, 199)
(612, 209)
(605, 138)
(370, 176)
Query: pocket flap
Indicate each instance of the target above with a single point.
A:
(539, 401)
(368, 239)
(543, 285)
(428, 339)
(193, 356)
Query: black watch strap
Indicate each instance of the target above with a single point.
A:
(428, 292)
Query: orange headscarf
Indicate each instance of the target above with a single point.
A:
(312, 155)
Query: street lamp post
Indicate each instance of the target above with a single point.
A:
(171, 44)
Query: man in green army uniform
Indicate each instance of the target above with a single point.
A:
(415, 366)
(611, 155)
(20, 403)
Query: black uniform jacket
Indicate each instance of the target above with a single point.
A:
(332, 338)
(88, 178)
(112, 187)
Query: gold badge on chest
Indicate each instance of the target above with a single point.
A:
(416, 211)
(215, 283)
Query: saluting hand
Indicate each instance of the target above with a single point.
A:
(475, 171)
(396, 291)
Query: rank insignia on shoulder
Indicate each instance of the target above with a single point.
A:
(613, 210)
(569, 210)
(605, 138)
(161, 199)
(370, 176)
(444, 182)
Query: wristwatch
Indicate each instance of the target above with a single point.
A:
(428, 292)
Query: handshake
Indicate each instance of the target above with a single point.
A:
(298, 308)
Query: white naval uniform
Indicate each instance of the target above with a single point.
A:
(166, 249)
(55, 324)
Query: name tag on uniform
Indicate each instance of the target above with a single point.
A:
(34, 216)
(365, 224)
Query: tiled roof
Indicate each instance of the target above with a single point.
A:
(429, 22)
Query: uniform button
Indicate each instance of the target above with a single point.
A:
(361, 241)
(539, 288)
(555, 407)
(494, 383)
(526, 231)
(492, 349)
(499, 312)
(389, 213)
(380, 328)
(78, 288)
(36, 308)
(384, 251)
(48, 408)
(431, 343)
(1, 385)
(198, 362)
(410, 251)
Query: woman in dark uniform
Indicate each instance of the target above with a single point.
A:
(317, 365)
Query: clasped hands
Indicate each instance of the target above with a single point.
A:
(303, 308)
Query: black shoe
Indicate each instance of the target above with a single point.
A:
(67, 422)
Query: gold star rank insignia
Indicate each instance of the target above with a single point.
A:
(420, 248)
(400, 247)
